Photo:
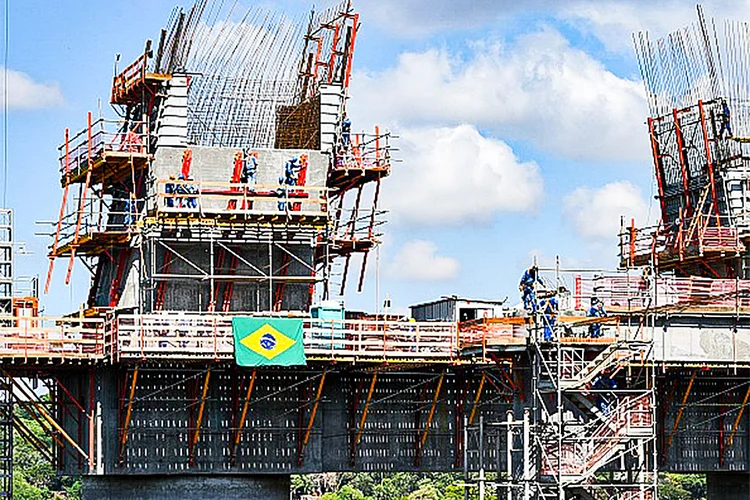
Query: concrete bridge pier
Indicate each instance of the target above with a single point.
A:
(187, 487)
(728, 486)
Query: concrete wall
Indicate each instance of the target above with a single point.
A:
(186, 487)
(703, 339)
(217, 164)
(728, 486)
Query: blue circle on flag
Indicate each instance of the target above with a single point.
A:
(268, 341)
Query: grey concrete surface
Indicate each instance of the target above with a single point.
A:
(728, 486)
(269, 487)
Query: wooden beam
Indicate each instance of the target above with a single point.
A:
(474, 406)
(199, 420)
(680, 411)
(311, 421)
(432, 410)
(243, 415)
(736, 424)
(361, 426)
(128, 414)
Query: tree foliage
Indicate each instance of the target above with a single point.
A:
(34, 478)
(443, 486)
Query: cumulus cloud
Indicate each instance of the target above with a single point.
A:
(595, 213)
(418, 260)
(454, 174)
(411, 18)
(538, 89)
(611, 21)
(25, 93)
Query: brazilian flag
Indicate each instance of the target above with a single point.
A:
(268, 341)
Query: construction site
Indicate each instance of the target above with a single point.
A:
(224, 206)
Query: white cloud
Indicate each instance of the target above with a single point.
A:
(412, 18)
(595, 213)
(538, 89)
(454, 174)
(25, 93)
(611, 21)
(418, 260)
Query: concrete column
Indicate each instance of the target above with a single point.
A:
(197, 487)
(728, 486)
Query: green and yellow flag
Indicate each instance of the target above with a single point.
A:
(268, 341)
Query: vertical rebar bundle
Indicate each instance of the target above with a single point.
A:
(698, 62)
(243, 66)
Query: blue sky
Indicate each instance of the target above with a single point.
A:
(520, 123)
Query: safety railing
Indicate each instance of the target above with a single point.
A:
(630, 418)
(619, 292)
(363, 151)
(185, 337)
(358, 224)
(488, 332)
(100, 137)
(129, 78)
(53, 338)
(203, 198)
(103, 215)
(690, 238)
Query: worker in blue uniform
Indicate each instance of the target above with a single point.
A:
(291, 174)
(550, 308)
(249, 171)
(526, 286)
(596, 311)
(346, 132)
(603, 383)
(291, 171)
(725, 118)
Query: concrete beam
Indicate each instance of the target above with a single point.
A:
(197, 487)
(728, 486)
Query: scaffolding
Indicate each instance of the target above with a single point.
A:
(590, 428)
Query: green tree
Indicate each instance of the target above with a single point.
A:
(34, 478)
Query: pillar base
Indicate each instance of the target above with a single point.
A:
(196, 487)
(728, 486)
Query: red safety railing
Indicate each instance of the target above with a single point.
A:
(199, 336)
(115, 136)
(691, 238)
(132, 76)
(628, 291)
(53, 338)
(631, 417)
(363, 151)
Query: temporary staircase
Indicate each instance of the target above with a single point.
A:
(630, 419)
(611, 358)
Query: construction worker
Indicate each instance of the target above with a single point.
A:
(180, 188)
(550, 308)
(603, 383)
(526, 286)
(596, 311)
(249, 170)
(346, 132)
(725, 118)
(192, 202)
(169, 190)
(129, 211)
(291, 171)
